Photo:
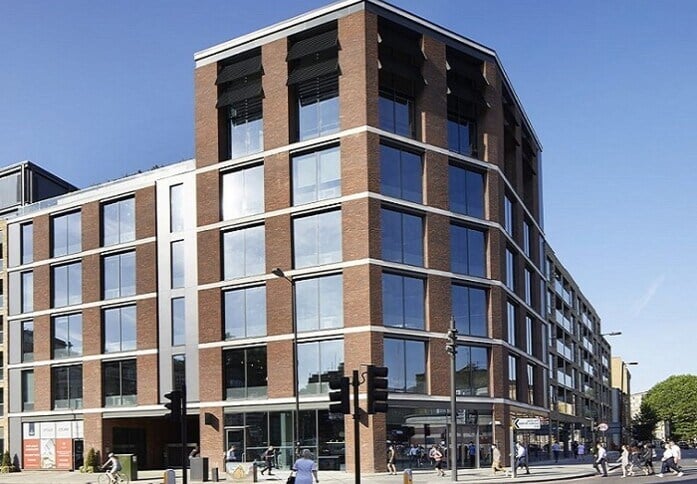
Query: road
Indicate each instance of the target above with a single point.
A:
(688, 463)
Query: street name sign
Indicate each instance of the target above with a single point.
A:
(530, 423)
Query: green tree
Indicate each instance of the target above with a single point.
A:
(675, 400)
(644, 423)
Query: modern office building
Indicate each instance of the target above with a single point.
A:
(579, 360)
(20, 184)
(384, 168)
(620, 427)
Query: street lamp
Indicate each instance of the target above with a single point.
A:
(613, 333)
(623, 403)
(278, 272)
(451, 348)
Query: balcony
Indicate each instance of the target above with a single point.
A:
(567, 408)
(564, 351)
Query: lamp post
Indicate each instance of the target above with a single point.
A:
(451, 348)
(613, 333)
(278, 272)
(623, 404)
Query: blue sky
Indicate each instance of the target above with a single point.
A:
(93, 90)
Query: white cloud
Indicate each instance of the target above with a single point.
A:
(648, 295)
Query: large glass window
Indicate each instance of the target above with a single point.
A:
(319, 303)
(462, 130)
(120, 329)
(176, 208)
(316, 176)
(510, 320)
(26, 243)
(243, 192)
(66, 232)
(510, 270)
(472, 371)
(396, 111)
(528, 335)
(244, 252)
(508, 215)
(27, 282)
(512, 377)
(27, 341)
(246, 127)
(67, 336)
(118, 221)
(319, 362)
(467, 252)
(469, 310)
(245, 373)
(178, 321)
(119, 383)
(528, 286)
(406, 362)
(177, 254)
(67, 284)
(317, 239)
(526, 238)
(402, 237)
(401, 174)
(67, 387)
(27, 390)
(531, 384)
(119, 275)
(318, 107)
(466, 191)
(245, 312)
(403, 301)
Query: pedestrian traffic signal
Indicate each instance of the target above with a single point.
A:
(377, 389)
(174, 405)
(339, 395)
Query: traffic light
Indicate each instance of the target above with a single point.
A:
(174, 405)
(377, 389)
(339, 395)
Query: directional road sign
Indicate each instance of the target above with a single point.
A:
(530, 423)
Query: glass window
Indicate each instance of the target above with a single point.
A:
(462, 132)
(319, 362)
(119, 383)
(177, 254)
(528, 335)
(67, 336)
(472, 371)
(245, 373)
(318, 107)
(317, 239)
(244, 252)
(119, 275)
(510, 319)
(118, 222)
(316, 176)
(396, 112)
(401, 174)
(403, 301)
(120, 329)
(178, 321)
(406, 362)
(27, 390)
(66, 231)
(27, 341)
(10, 189)
(245, 312)
(512, 377)
(27, 281)
(67, 284)
(319, 303)
(526, 238)
(402, 237)
(176, 208)
(508, 215)
(246, 127)
(27, 243)
(243, 192)
(178, 371)
(469, 310)
(466, 191)
(531, 384)
(467, 252)
(510, 270)
(67, 387)
(528, 286)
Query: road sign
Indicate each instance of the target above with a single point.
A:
(603, 427)
(532, 423)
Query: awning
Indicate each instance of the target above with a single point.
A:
(238, 70)
(312, 45)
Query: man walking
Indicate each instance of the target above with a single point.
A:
(556, 448)
(472, 450)
(521, 457)
(668, 462)
(601, 461)
(496, 460)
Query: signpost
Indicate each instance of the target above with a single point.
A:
(602, 427)
(527, 423)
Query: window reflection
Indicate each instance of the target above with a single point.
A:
(469, 310)
(403, 301)
(319, 303)
(243, 192)
(317, 239)
(406, 361)
(318, 362)
(245, 312)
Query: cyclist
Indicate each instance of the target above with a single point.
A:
(115, 467)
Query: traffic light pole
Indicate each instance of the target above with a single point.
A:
(356, 428)
(182, 428)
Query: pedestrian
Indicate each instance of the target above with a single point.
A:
(677, 454)
(556, 448)
(496, 460)
(624, 459)
(472, 451)
(574, 449)
(305, 468)
(601, 461)
(390, 461)
(437, 457)
(646, 459)
(230, 459)
(521, 457)
(581, 450)
(668, 462)
(269, 455)
(413, 456)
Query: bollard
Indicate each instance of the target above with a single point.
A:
(254, 472)
(407, 477)
(169, 477)
(214, 474)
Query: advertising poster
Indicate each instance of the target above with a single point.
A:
(64, 445)
(31, 446)
(48, 445)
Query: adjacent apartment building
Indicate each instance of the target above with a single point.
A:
(382, 165)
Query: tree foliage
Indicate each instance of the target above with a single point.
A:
(675, 400)
(644, 423)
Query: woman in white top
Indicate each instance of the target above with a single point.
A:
(305, 468)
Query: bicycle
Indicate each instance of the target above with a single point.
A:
(118, 478)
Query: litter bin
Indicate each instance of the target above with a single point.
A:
(129, 465)
(199, 469)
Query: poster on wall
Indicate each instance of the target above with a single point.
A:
(48, 445)
(31, 446)
(64, 445)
